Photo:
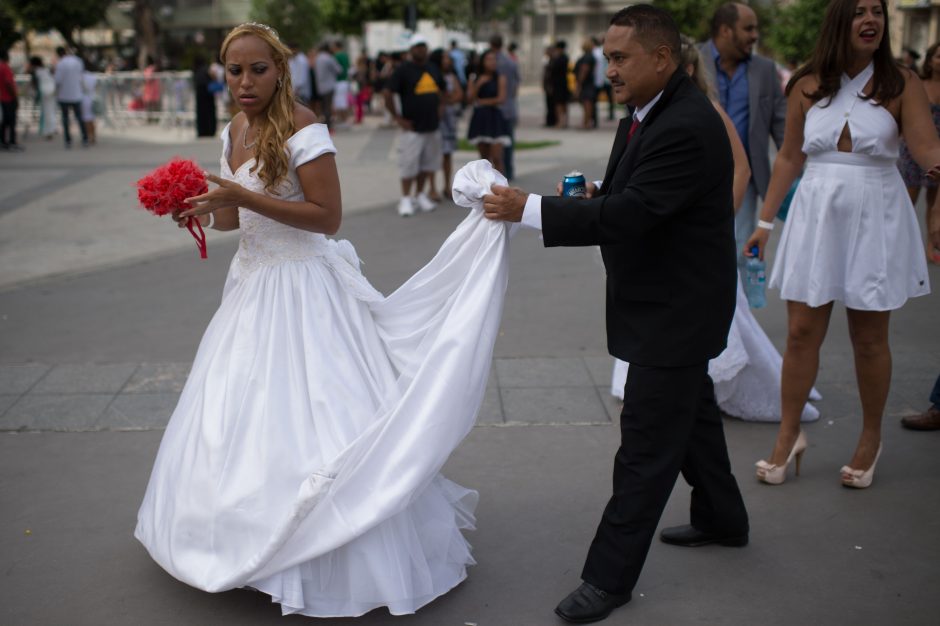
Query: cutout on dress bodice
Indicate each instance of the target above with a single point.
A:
(845, 139)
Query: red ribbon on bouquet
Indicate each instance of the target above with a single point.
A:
(165, 190)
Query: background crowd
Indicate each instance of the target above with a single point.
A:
(430, 95)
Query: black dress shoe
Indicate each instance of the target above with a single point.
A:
(691, 537)
(588, 604)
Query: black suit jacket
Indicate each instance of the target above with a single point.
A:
(664, 220)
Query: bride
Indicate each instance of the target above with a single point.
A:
(302, 459)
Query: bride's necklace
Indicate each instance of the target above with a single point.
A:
(245, 144)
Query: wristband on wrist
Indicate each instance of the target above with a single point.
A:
(765, 225)
(211, 220)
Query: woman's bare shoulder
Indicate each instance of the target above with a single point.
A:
(303, 117)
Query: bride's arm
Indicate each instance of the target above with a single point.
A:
(320, 211)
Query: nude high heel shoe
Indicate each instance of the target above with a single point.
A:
(860, 479)
(776, 474)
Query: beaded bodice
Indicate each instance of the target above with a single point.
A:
(265, 242)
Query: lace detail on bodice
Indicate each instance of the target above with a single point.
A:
(874, 130)
(265, 242)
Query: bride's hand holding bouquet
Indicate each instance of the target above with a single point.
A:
(228, 195)
(165, 191)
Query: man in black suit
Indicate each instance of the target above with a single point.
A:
(663, 217)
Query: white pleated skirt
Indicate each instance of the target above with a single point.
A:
(851, 236)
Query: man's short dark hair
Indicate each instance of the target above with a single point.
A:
(60, 51)
(496, 42)
(725, 15)
(652, 27)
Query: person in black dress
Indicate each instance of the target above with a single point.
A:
(488, 128)
(205, 98)
(560, 91)
(587, 91)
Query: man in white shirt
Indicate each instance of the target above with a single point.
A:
(300, 74)
(663, 218)
(68, 85)
(600, 80)
(326, 71)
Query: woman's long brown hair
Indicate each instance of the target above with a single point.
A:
(833, 55)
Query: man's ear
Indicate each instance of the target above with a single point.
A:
(663, 58)
(724, 31)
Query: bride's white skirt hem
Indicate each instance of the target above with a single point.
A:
(406, 607)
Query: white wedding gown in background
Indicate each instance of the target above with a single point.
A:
(746, 374)
(302, 459)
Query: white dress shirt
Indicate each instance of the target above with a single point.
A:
(68, 78)
(532, 213)
(300, 75)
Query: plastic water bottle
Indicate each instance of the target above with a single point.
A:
(754, 285)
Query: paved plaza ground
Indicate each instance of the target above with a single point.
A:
(101, 310)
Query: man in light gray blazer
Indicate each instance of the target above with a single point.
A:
(748, 88)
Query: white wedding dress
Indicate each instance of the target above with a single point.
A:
(302, 459)
(746, 374)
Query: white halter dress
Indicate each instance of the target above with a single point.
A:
(851, 234)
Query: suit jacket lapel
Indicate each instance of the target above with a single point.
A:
(616, 151)
(623, 151)
(753, 95)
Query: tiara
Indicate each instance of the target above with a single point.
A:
(263, 27)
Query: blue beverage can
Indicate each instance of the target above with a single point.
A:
(574, 185)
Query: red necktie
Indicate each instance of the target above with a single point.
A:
(633, 127)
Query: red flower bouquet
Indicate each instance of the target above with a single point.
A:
(164, 190)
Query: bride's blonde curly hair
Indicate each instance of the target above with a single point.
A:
(271, 159)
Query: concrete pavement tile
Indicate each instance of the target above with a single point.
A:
(154, 377)
(612, 404)
(839, 401)
(86, 378)
(16, 182)
(600, 368)
(18, 379)
(909, 395)
(6, 401)
(491, 411)
(542, 372)
(836, 366)
(59, 412)
(139, 411)
(553, 405)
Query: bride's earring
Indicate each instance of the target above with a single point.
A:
(278, 82)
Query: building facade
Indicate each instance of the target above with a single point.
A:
(916, 25)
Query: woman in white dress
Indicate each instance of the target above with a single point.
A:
(89, 93)
(48, 107)
(302, 459)
(747, 373)
(851, 234)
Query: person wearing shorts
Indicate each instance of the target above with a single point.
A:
(420, 86)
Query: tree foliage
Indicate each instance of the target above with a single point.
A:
(692, 16)
(65, 17)
(796, 29)
(343, 16)
(8, 32)
(296, 21)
